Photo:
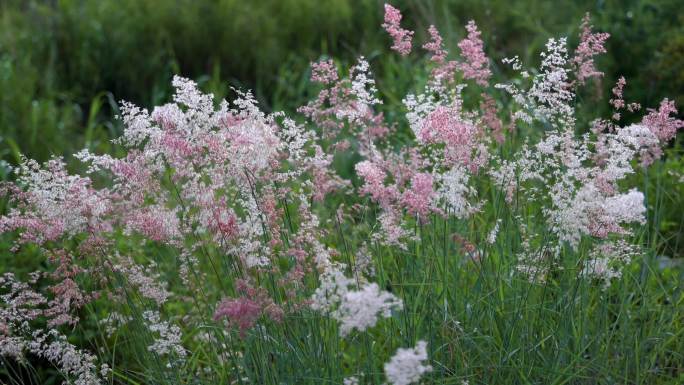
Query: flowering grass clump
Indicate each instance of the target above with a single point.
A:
(504, 240)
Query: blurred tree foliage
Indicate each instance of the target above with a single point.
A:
(58, 58)
(64, 64)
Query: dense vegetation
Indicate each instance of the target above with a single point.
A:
(64, 65)
(507, 221)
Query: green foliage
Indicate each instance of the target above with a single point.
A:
(65, 64)
(482, 323)
(58, 59)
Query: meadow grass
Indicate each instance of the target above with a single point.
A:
(484, 320)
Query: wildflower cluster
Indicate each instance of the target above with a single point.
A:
(406, 366)
(234, 202)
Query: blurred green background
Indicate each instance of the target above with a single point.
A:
(65, 64)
